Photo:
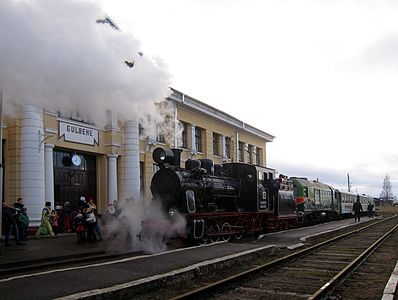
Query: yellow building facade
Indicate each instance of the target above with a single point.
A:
(56, 158)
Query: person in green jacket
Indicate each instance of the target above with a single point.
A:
(45, 225)
(23, 221)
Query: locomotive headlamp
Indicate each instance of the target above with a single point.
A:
(161, 156)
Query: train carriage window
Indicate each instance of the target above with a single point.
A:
(190, 197)
(317, 196)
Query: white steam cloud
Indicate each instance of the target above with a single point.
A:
(55, 55)
(137, 227)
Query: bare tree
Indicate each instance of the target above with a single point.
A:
(386, 192)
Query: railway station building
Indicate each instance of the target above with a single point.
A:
(51, 157)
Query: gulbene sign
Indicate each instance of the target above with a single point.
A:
(78, 134)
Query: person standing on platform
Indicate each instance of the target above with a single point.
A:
(10, 224)
(58, 208)
(96, 225)
(79, 228)
(357, 208)
(45, 226)
(18, 205)
(370, 210)
(67, 217)
(24, 221)
(90, 220)
(54, 218)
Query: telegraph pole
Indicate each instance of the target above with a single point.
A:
(348, 182)
(1, 163)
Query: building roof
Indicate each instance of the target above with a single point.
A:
(217, 114)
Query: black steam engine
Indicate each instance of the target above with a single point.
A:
(222, 201)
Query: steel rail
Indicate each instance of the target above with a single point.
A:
(238, 277)
(332, 283)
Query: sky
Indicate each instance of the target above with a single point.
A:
(320, 76)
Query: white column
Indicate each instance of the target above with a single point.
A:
(32, 161)
(112, 177)
(49, 172)
(131, 161)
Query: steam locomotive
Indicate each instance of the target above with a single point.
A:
(222, 201)
(237, 199)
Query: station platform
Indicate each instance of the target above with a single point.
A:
(65, 246)
(126, 277)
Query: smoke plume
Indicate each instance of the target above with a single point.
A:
(136, 227)
(56, 55)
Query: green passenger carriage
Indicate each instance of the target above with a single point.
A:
(315, 201)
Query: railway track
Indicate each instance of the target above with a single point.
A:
(337, 268)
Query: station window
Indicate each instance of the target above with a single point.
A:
(216, 143)
(249, 151)
(258, 156)
(184, 139)
(159, 135)
(240, 151)
(140, 130)
(198, 139)
(228, 147)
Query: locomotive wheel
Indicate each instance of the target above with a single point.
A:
(226, 228)
(238, 236)
(214, 229)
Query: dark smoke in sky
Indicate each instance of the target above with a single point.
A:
(54, 54)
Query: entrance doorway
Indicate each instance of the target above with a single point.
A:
(70, 181)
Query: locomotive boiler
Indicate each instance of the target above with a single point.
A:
(222, 201)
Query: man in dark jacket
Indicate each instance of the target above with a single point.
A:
(357, 208)
(18, 206)
(10, 215)
(370, 210)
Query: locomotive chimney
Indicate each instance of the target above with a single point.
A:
(177, 157)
